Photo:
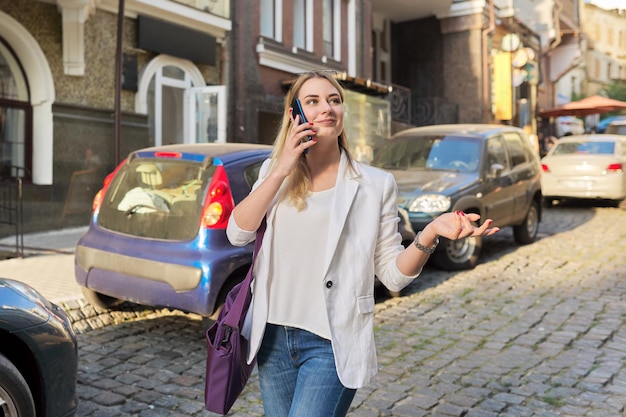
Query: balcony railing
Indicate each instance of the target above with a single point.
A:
(414, 110)
(217, 7)
(433, 111)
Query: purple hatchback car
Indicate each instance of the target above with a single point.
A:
(157, 235)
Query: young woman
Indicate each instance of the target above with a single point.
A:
(331, 227)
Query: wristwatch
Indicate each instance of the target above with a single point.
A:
(423, 248)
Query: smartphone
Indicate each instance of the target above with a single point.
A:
(297, 109)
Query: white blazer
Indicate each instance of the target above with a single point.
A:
(363, 242)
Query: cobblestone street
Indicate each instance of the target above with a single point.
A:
(532, 331)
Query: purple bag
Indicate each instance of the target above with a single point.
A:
(227, 371)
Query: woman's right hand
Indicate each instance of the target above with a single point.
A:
(294, 147)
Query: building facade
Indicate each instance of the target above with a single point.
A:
(76, 78)
(62, 97)
(605, 52)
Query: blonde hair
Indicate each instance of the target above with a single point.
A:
(299, 181)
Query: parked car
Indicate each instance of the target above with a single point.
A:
(486, 169)
(616, 127)
(569, 125)
(585, 167)
(158, 232)
(604, 123)
(38, 355)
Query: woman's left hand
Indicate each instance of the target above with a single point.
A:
(458, 225)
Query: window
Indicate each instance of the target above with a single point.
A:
(589, 148)
(516, 148)
(496, 153)
(15, 116)
(269, 20)
(157, 198)
(299, 24)
(303, 24)
(332, 29)
(165, 101)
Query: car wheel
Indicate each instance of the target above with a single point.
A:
(16, 399)
(97, 299)
(458, 255)
(526, 232)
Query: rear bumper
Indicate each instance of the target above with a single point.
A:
(183, 275)
(148, 282)
(610, 187)
(178, 277)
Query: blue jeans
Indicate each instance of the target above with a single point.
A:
(298, 377)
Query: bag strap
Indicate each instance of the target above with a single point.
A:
(232, 319)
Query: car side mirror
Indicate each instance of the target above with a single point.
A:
(495, 171)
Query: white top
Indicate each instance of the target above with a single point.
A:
(297, 276)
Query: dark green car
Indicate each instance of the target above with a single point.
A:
(491, 170)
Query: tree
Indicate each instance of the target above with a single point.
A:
(616, 90)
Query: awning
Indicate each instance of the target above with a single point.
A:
(590, 105)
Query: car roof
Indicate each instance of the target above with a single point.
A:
(469, 129)
(226, 152)
(598, 137)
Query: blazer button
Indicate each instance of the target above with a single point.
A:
(329, 284)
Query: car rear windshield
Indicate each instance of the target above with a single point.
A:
(430, 152)
(156, 198)
(589, 148)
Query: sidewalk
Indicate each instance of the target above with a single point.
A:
(48, 263)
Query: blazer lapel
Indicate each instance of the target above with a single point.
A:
(345, 190)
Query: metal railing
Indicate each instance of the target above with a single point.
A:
(11, 205)
(412, 109)
(432, 111)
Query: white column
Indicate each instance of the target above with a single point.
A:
(42, 143)
(75, 13)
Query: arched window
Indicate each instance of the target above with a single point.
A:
(181, 108)
(15, 116)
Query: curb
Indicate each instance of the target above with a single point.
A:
(84, 317)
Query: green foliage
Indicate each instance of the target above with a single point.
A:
(617, 91)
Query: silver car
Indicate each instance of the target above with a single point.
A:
(616, 127)
(585, 167)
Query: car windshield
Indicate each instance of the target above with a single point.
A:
(582, 147)
(433, 152)
(156, 198)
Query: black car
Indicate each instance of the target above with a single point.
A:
(490, 170)
(38, 355)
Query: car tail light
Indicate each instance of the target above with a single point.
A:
(176, 155)
(219, 203)
(97, 200)
(615, 167)
(545, 168)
